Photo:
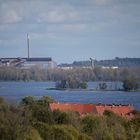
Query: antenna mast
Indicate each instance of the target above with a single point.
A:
(28, 45)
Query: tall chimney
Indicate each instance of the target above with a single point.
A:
(28, 45)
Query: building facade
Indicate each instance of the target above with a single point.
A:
(27, 63)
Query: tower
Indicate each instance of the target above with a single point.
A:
(92, 63)
(28, 45)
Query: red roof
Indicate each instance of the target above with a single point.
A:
(81, 108)
(118, 109)
(122, 110)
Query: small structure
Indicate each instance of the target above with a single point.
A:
(121, 110)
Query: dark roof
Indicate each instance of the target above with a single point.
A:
(8, 58)
(29, 59)
(39, 59)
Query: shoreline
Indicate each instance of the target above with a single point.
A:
(68, 89)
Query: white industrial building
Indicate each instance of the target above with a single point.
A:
(27, 63)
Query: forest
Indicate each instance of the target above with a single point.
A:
(83, 74)
(32, 119)
(120, 62)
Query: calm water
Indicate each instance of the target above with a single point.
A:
(15, 91)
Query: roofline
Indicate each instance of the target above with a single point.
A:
(29, 59)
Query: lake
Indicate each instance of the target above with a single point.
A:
(15, 91)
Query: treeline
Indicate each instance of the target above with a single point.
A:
(120, 62)
(83, 74)
(33, 119)
(71, 83)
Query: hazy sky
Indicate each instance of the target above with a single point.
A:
(68, 30)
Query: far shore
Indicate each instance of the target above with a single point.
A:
(70, 89)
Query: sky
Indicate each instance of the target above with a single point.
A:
(69, 30)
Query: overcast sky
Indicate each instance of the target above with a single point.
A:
(69, 30)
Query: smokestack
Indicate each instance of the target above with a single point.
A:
(28, 45)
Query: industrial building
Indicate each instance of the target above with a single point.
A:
(26, 63)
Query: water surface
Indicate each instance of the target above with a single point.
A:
(15, 91)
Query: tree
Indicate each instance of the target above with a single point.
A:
(119, 132)
(61, 84)
(61, 117)
(29, 100)
(14, 123)
(57, 132)
(133, 129)
(32, 134)
(130, 84)
(71, 82)
(42, 114)
(45, 101)
(103, 86)
(83, 85)
(83, 136)
(96, 127)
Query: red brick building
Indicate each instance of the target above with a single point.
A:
(81, 108)
(122, 110)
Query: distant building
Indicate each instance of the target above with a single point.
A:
(65, 67)
(81, 108)
(40, 62)
(122, 110)
(27, 63)
(11, 61)
(107, 67)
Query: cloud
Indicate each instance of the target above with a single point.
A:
(101, 2)
(51, 17)
(58, 14)
(75, 27)
(38, 36)
(87, 20)
(9, 14)
(67, 12)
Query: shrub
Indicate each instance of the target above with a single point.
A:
(133, 129)
(112, 118)
(45, 101)
(61, 117)
(102, 86)
(71, 82)
(29, 100)
(57, 132)
(130, 84)
(42, 114)
(83, 136)
(96, 127)
(32, 134)
(83, 85)
(118, 132)
(44, 130)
